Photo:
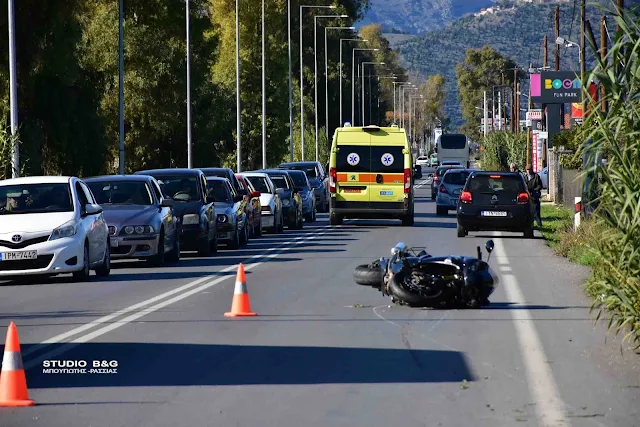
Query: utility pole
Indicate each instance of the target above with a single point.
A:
(518, 109)
(189, 147)
(545, 47)
(603, 55)
(530, 152)
(13, 89)
(557, 35)
(583, 51)
(290, 81)
(120, 81)
(486, 116)
(514, 101)
(264, 97)
(238, 105)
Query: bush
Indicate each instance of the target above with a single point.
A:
(501, 148)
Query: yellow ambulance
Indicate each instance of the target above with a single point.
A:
(371, 174)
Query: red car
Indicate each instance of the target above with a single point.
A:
(254, 207)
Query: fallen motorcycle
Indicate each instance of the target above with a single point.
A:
(422, 280)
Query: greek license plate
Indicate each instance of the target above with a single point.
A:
(17, 256)
(115, 243)
(386, 193)
(494, 213)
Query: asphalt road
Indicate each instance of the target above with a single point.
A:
(323, 351)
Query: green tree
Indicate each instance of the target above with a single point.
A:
(481, 70)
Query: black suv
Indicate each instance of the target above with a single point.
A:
(495, 201)
(188, 189)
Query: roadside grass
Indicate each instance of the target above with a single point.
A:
(557, 229)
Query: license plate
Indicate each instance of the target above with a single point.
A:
(115, 243)
(494, 213)
(222, 235)
(386, 193)
(17, 256)
(352, 190)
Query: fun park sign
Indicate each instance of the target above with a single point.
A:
(556, 87)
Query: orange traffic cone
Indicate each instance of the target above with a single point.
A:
(13, 382)
(240, 305)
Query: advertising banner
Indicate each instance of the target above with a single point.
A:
(556, 87)
(534, 150)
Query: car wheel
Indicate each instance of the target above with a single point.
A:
(174, 255)
(105, 268)
(300, 224)
(158, 259)
(461, 231)
(235, 242)
(528, 233)
(408, 219)
(205, 248)
(335, 219)
(84, 273)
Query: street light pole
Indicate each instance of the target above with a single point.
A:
(326, 76)
(363, 66)
(353, 79)
(290, 79)
(341, 41)
(13, 94)
(189, 148)
(302, 76)
(394, 99)
(238, 105)
(264, 98)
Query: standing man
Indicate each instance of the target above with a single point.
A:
(534, 185)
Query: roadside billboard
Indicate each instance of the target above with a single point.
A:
(556, 87)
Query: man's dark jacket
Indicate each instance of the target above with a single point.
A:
(534, 185)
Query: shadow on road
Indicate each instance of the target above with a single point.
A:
(432, 224)
(145, 364)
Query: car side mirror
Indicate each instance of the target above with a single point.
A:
(256, 194)
(166, 203)
(91, 209)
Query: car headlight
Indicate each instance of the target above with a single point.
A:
(286, 202)
(191, 219)
(223, 219)
(138, 229)
(67, 229)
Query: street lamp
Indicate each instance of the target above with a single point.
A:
(371, 94)
(13, 90)
(302, 76)
(189, 148)
(315, 62)
(353, 79)
(341, 41)
(411, 99)
(394, 99)
(238, 106)
(326, 75)
(409, 86)
(264, 99)
(363, 66)
(402, 90)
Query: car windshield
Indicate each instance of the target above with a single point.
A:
(219, 191)
(310, 171)
(259, 183)
(299, 180)
(491, 184)
(35, 198)
(121, 193)
(456, 178)
(279, 181)
(443, 170)
(180, 188)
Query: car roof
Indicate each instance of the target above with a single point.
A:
(276, 171)
(209, 170)
(216, 178)
(260, 174)
(299, 164)
(141, 178)
(37, 180)
(501, 173)
(171, 171)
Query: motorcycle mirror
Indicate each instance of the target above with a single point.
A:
(489, 245)
(400, 247)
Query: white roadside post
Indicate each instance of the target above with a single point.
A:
(576, 221)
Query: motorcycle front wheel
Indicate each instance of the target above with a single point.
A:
(369, 275)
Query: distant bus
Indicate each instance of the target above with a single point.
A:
(454, 147)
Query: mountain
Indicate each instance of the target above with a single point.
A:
(418, 16)
(515, 31)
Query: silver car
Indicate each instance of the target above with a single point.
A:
(449, 189)
(142, 224)
(232, 225)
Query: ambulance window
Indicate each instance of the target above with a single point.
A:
(389, 159)
(353, 158)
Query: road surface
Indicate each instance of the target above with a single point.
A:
(323, 351)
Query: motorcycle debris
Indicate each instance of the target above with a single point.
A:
(357, 306)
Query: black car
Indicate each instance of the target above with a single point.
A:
(437, 177)
(305, 190)
(188, 189)
(495, 201)
(318, 178)
(291, 200)
(230, 175)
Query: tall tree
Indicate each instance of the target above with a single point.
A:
(481, 70)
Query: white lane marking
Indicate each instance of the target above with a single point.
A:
(549, 406)
(59, 338)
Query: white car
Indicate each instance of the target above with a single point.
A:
(423, 161)
(51, 225)
(272, 218)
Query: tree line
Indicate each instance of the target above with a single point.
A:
(68, 82)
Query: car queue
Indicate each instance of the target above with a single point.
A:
(54, 225)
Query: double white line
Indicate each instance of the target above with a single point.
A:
(139, 310)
